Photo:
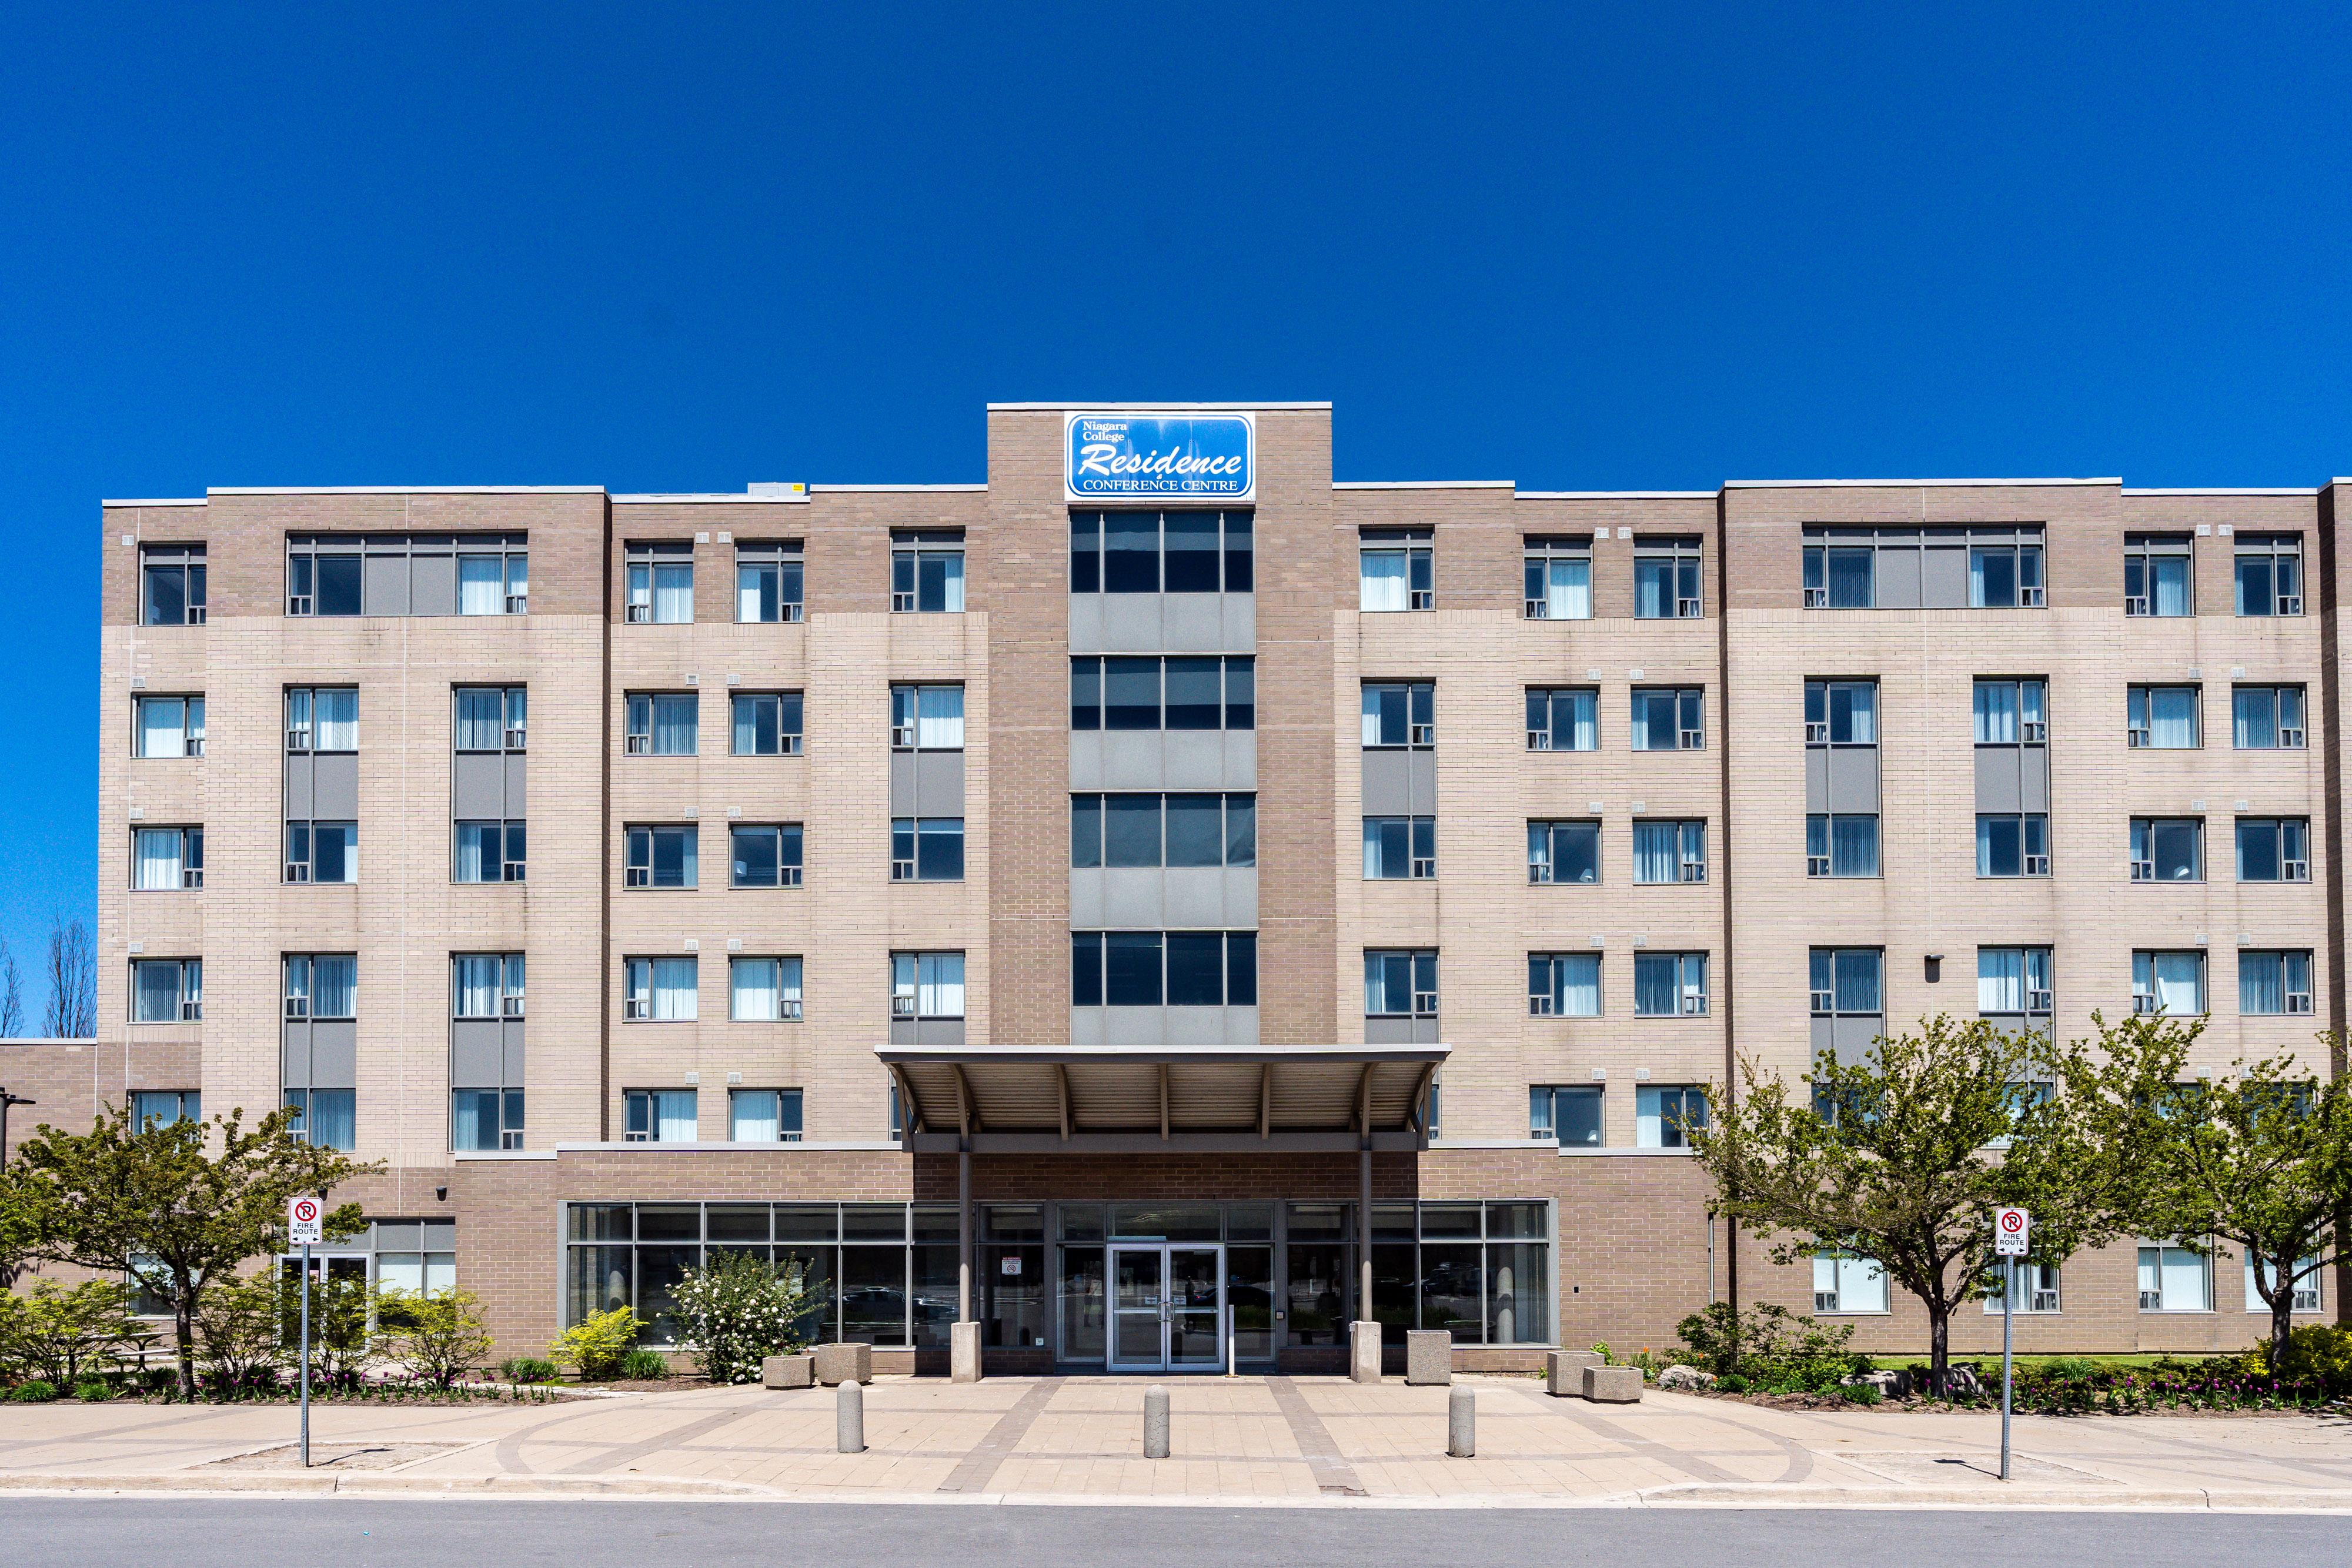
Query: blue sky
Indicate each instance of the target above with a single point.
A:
(686, 247)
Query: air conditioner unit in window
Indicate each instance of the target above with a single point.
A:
(297, 871)
(1825, 1301)
(511, 1007)
(1817, 597)
(640, 876)
(1424, 1004)
(1685, 608)
(641, 1006)
(1817, 866)
(2033, 732)
(194, 1011)
(902, 1006)
(517, 604)
(2143, 1003)
(901, 603)
(2029, 597)
(640, 613)
(1425, 866)
(193, 876)
(517, 738)
(1539, 740)
(1423, 599)
(1692, 739)
(2044, 1301)
(298, 604)
(1817, 733)
(790, 1008)
(2151, 1300)
(1540, 872)
(2136, 604)
(2288, 739)
(1538, 609)
(511, 1138)
(2290, 870)
(902, 735)
(196, 612)
(2298, 1001)
(2142, 871)
(1421, 734)
(788, 876)
(1541, 1007)
(2037, 865)
(2289, 604)
(1694, 871)
(640, 745)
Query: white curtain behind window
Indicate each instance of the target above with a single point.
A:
(1568, 589)
(334, 986)
(160, 731)
(673, 1121)
(673, 594)
(2172, 717)
(477, 985)
(754, 990)
(1996, 713)
(2001, 980)
(939, 718)
(754, 1116)
(674, 724)
(674, 988)
(1382, 580)
(157, 993)
(951, 590)
(155, 859)
(2169, 577)
(1580, 985)
(939, 992)
(481, 718)
(1658, 852)
(481, 587)
(337, 724)
(2177, 980)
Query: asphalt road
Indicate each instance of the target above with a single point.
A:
(351, 1532)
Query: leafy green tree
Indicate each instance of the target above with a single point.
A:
(440, 1336)
(244, 1337)
(54, 1331)
(1902, 1156)
(736, 1310)
(180, 1206)
(2260, 1156)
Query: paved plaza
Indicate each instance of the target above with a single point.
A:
(1248, 1440)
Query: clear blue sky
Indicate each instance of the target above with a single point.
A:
(1649, 246)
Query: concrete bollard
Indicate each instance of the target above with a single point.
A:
(1461, 1423)
(849, 1418)
(1155, 1422)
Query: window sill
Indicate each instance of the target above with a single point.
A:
(1585, 1151)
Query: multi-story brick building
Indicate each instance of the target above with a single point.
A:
(1168, 855)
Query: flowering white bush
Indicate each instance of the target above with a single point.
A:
(736, 1310)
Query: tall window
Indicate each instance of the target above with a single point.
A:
(1140, 693)
(662, 724)
(167, 858)
(2263, 718)
(171, 585)
(927, 718)
(1669, 718)
(1399, 715)
(767, 582)
(1567, 1113)
(1401, 984)
(1666, 579)
(2273, 982)
(2163, 718)
(1559, 580)
(169, 726)
(767, 856)
(927, 572)
(764, 1115)
(1670, 851)
(2156, 575)
(1665, 1114)
(662, 855)
(167, 990)
(660, 584)
(766, 724)
(1563, 718)
(927, 986)
(2013, 987)
(763, 990)
(1564, 985)
(1127, 831)
(1840, 713)
(2169, 982)
(1563, 853)
(2005, 574)
(1845, 982)
(1669, 984)
(1399, 848)
(661, 990)
(1156, 552)
(491, 735)
(658, 1116)
(1163, 968)
(2270, 574)
(2168, 849)
(321, 1007)
(2273, 849)
(486, 1051)
(1394, 570)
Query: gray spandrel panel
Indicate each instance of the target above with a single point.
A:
(902, 783)
(2033, 779)
(384, 585)
(477, 787)
(517, 782)
(334, 1053)
(300, 771)
(477, 1053)
(1388, 783)
(336, 788)
(294, 1056)
(1817, 780)
(1086, 902)
(433, 585)
(1897, 587)
(1944, 578)
(938, 783)
(1854, 780)
(1134, 899)
(513, 1050)
(1997, 781)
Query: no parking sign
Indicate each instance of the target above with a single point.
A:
(305, 1225)
(2012, 1228)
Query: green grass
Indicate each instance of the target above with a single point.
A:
(1885, 1363)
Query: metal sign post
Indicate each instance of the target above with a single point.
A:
(305, 1225)
(2012, 1229)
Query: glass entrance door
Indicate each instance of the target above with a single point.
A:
(1167, 1308)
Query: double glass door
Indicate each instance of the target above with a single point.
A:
(1168, 1307)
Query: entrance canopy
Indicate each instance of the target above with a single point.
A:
(1074, 1099)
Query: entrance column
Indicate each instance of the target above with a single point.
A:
(1364, 1353)
(963, 1339)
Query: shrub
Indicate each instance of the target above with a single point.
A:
(440, 1336)
(1730, 1382)
(645, 1366)
(735, 1311)
(597, 1345)
(95, 1391)
(2317, 1354)
(1768, 1345)
(35, 1391)
(55, 1332)
(1862, 1393)
(2069, 1368)
(527, 1369)
(238, 1325)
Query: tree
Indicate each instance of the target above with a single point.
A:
(12, 994)
(73, 983)
(243, 1340)
(440, 1336)
(1903, 1156)
(2260, 1156)
(736, 1310)
(54, 1331)
(156, 1200)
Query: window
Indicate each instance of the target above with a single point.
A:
(766, 856)
(660, 584)
(171, 585)
(1154, 552)
(1665, 1114)
(927, 849)
(2171, 983)
(1840, 713)
(1666, 579)
(1169, 969)
(327, 1117)
(2306, 1286)
(1394, 570)
(1563, 718)
(1668, 718)
(662, 856)
(2013, 987)
(400, 574)
(162, 1107)
(167, 990)
(2162, 718)
(483, 1119)
(321, 986)
(763, 990)
(322, 853)
(1840, 844)
(767, 582)
(1846, 1285)
(2156, 575)
(1559, 580)
(1399, 716)
(485, 986)
(1564, 985)
(2173, 1279)
(1177, 830)
(2012, 843)
(168, 726)
(1397, 849)
(1669, 984)
(490, 851)
(321, 1009)
(2263, 718)
(658, 1116)
(1131, 694)
(1568, 1113)
(1923, 568)
(2273, 982)
(2273, 849)
(321, 720)
(2010, 713)
(1845, 982)
(926, 985)
(2270, 574)
(927, 573)
(927, 718)
(766, 724)
(662, 990)
(662, 724)
(2168, 849)
(167, 858)
(1666, 852)
(1564, 851)
(764, 1115)
(1399, 984)
(2037, 1289)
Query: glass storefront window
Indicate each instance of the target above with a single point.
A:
(1082, 1303)
(1168, 1221)
(1249, 1291)
(937, 1272)
(874, 1293)
(1082, 1222)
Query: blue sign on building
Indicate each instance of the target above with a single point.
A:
(1162, 457)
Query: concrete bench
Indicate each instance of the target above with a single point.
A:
(1613, 1384)
(788, 1371)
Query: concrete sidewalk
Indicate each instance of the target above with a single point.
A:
(1239, 1441)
